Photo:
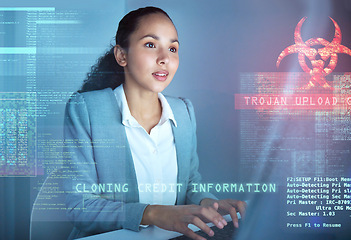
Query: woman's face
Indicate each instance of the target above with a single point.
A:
(152, 58)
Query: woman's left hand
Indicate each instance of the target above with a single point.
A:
(227, 206)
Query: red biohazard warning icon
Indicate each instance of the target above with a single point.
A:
(317, 57)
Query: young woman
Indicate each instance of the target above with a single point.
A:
(132, 151)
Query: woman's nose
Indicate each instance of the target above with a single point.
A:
(162, 57)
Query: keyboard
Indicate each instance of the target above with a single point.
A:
(225, 233)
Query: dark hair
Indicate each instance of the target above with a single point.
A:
(107, 73)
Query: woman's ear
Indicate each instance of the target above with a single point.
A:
(120, 56)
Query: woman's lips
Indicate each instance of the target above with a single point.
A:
(160, 75)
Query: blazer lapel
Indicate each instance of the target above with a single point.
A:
(180, 138)
(119, 134)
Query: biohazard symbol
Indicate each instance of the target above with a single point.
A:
(317, 57)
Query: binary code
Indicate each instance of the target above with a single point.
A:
(17, 134)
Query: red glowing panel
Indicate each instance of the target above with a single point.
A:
(292, 101)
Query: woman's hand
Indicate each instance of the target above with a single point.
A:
(227, 206)
(177, 218)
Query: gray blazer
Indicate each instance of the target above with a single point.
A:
(96, 151)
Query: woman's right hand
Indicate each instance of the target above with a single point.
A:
(177, 218)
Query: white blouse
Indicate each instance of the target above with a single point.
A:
(154, 155)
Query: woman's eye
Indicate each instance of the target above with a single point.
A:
(149, 45)
(173, 49)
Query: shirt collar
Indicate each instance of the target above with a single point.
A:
(167, 112)
(129, 120)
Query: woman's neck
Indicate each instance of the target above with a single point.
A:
(144, 106)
